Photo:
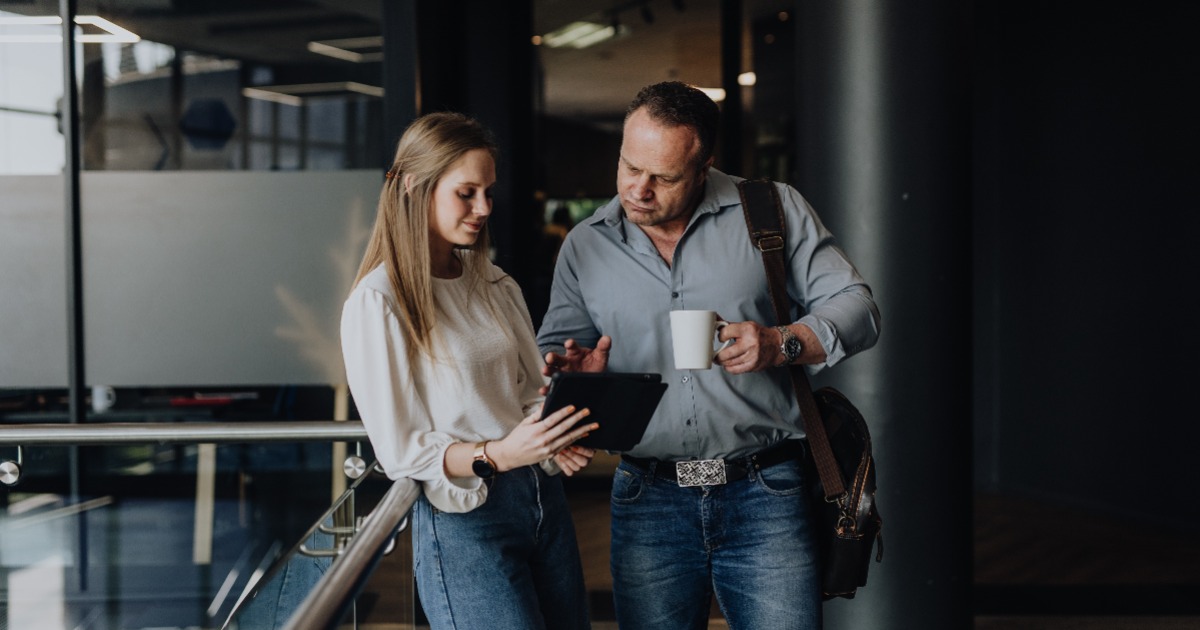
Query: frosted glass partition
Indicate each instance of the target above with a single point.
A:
(190, 278)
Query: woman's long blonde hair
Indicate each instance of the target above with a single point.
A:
(400, 238)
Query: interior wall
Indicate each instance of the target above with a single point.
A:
(1086, 216)
(579, 160)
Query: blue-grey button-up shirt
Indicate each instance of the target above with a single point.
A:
(610, 280)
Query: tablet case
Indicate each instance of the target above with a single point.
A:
(622, 403)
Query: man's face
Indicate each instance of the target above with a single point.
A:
(658, 179)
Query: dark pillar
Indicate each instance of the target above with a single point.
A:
(730, 142)
(479, 62)
(500, 83)
(884, 156)
(401, 100)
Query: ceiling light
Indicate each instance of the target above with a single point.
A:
(350, 49)
(296, 93)
(112, 32)
(716, 94)
(747, 79)
(582, 34)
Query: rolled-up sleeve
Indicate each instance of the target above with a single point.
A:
(836, 302)
(398, 421)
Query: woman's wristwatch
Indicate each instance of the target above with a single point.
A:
(790, 348)
(483, 466)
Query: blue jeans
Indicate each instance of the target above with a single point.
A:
(275, 600)
(749, 542)
(513, 562)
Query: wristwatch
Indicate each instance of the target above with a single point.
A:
(790, 348)
(483, 466)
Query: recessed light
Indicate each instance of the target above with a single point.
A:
(112, 32)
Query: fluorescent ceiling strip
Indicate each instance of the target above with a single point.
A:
(581, 35)
(344, 49)
(112, 32)
(606, 33)
(294, 94)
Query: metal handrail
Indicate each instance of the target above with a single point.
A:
(180, 432)
(330, 598)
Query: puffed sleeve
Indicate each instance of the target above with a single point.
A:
(393, 410)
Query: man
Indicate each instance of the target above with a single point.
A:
(675, 238)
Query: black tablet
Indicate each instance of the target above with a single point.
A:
(622, 403)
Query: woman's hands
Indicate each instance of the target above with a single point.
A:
(574, 458)
(535, 440)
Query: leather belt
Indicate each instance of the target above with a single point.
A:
(711, 472)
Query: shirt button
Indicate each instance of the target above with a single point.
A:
(674, 294)
(686, 379)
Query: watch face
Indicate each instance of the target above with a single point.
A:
(482, 469)
(791, 349)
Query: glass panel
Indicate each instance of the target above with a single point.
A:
(189, 278)
(150, 535)
(204, 82)
(30, 93)
(387, 599)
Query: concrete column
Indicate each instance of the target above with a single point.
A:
(883, 90)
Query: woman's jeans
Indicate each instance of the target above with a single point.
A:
(281, 594)
(749, 541)
(512, 563)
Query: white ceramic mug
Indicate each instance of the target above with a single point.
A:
(692, 336)
(103, 398)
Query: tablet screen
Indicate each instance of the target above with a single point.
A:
(622, 403)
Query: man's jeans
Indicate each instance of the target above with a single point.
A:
(749, 542)
(513, 562)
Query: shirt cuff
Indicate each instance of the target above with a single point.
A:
(456, 495)
(827, 337)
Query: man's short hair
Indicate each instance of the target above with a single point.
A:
(674, 103)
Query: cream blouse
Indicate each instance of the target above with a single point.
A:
(484, 381)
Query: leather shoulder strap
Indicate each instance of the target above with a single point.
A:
(768, 231)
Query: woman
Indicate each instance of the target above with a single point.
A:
(441, 359)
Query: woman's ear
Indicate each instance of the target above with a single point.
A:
(408, 180)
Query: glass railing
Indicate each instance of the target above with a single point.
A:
(195, 525)
(351, 569)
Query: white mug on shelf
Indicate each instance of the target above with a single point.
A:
(103, 398)
(692, 336)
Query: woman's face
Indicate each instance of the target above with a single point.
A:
(462, 202)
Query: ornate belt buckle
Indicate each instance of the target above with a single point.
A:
(701, 472)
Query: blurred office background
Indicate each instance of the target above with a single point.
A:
(1015, 180)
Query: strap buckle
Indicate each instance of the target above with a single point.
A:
(771, 242)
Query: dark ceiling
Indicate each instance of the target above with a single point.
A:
(667, 39)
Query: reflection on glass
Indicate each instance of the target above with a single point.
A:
(271, 598)
(176, 98)
(121, 551)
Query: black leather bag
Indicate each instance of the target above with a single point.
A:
(838, 458)
(849, 523)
